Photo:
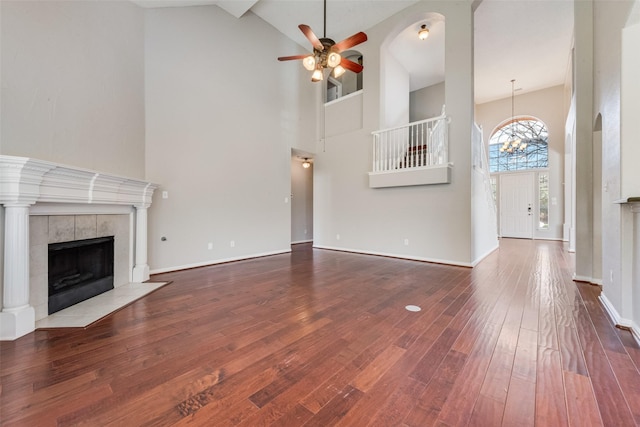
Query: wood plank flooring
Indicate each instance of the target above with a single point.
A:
(322, 338)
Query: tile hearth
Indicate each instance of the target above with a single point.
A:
(86, 312)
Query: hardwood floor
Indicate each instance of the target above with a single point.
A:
(322, 338)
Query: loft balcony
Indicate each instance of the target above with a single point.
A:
(412, 154)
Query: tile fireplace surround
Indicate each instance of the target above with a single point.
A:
(45, 202)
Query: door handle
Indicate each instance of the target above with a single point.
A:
(529, 209)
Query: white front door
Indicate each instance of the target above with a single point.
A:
(516, 205)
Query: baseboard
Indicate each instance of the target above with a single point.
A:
(585, 279)
(297, 242)
(489, 252)
(217, 261)
(618, 320)
(389, 255)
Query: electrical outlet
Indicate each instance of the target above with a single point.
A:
(210, 246)
(406, 242)
(165, 194)
(337, 237)
(611, 276)
(305, 231)
(232, 243)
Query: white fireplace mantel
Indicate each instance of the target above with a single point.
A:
(26, 182)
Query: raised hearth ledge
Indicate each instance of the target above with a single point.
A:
(89, 311)
(25, 182)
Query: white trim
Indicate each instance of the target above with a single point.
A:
(79, 209)
(613, 313)
(302, 241)
(555, 239)
(132, 244)
(217, 261)
(577, 278)
(423, 175)
(350, 95)
(586, 279)
(489, 252)
(27, 180)
(617, 319)
(547, 169)
(409, 257)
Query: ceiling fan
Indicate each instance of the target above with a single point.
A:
(326, 52)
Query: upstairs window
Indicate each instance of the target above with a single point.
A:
(519, 144)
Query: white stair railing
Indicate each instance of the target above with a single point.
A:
(481, 164)
(419, 144)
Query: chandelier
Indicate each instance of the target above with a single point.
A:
(513, 144)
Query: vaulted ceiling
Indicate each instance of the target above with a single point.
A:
(526, 40)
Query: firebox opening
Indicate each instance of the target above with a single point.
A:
(79, 270)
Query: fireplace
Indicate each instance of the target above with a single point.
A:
(79, 270)
(79, 204)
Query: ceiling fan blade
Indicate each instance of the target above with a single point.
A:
(350, 42)
(350, 65)
(290, 58)
(308, 33)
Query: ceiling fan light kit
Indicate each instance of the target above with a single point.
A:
(309, 62)
(326, 53)
(317, 75)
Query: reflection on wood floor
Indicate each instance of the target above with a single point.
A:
(322, 338)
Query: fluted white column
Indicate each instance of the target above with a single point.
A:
(17, 317)
(141, 269)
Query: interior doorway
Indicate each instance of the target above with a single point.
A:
(301, 197)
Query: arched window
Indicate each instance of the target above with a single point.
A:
(518, 144)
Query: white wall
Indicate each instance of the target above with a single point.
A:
(583, 97)
(301, 201)
(72, 78)
(219, 134)
(630, 88)
(426, 102)
(609, 20)
(73, 84)
(547, 106)
(395, 97)
(436, 219)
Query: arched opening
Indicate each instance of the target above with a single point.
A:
(412, 71)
